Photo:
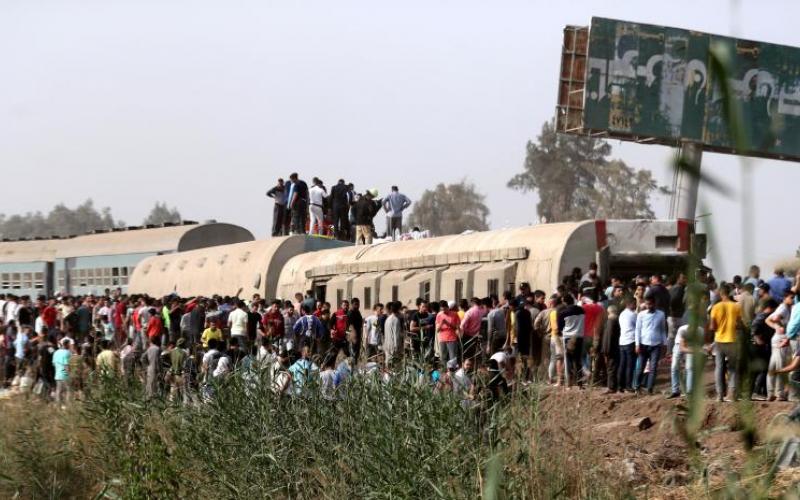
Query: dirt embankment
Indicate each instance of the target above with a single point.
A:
(642, 439)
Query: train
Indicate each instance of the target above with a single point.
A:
(441, 268)
(103, 259)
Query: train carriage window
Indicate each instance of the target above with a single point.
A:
(493, 286)
(510, 287)
(395, 292)
(114, 271)
(123, 281)
(27, 280)
(16, 279)
(425, 290)
(124, 270)
(459, 290)
(61, 279)
(339, 296)
(5, 280)
(367, 298)
(38, 281)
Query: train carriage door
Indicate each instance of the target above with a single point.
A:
(49, 279)
(602, 258)
(320, 288)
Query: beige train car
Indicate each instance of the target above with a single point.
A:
(449, 267)
(484, 263)
(240, 269)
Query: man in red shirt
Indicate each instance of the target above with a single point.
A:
(471, 328)
(50, 314)
(154, 326)
(339, 330)
(592, 323)
(448, 325)
(273, 322)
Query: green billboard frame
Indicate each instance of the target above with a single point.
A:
(657, 84)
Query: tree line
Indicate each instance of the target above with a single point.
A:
(574, 176)
(62, 220)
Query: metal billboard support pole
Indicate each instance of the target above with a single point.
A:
(687, 184)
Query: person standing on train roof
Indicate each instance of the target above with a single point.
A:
(278, 194)
(364, 213)
(394, 205)
(316, 208)
(298, 204)
(340, 206)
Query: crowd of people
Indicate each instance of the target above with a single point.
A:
(342, 213)
(611, 333)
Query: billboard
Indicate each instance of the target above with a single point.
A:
(656, 84)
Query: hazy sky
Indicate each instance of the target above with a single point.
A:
(203, 104)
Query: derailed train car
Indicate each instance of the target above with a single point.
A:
(448, 267)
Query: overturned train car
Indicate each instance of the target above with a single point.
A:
(448, 267)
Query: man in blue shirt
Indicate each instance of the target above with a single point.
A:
(394, 204)
(651, 339)
(307, 329)
(22, 348)
(61, 365)
(778, 285)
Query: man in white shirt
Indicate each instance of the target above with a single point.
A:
(2, 307)
(237, 322)
(627, 345)
(316, 195)
(462, 381)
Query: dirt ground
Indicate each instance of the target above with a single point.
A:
(643, 436)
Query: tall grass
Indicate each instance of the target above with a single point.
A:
(382, 440)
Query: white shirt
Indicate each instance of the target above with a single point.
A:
(373, 336)
(679, 335)
(316, 195)
(627, 327)
(500, 357)
(237, 320)
(38, 325)
(11, 311)
(781, 314)
(208, 356)
(327, 384)
(462, 383)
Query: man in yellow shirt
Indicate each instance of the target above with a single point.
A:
(726, 320)
(212, 332)
(107, 362)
